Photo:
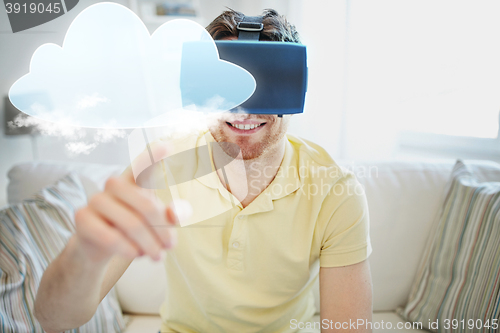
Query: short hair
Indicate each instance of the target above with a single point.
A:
(276, 27)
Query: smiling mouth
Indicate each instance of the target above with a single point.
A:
(245, 127)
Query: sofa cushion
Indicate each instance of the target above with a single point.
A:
(459, 277)
(143, 323)
(26, 179)
(387, 321)
(32, 234)
(404, 198)
(142, 288)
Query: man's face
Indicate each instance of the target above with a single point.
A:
(255, 134)
(268, 131)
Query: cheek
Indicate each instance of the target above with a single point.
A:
(279, 127)
(272, 128)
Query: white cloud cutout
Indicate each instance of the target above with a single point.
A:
(108, 135)
(111, 73)
(80, 147)
(82, 140)
(90, 101)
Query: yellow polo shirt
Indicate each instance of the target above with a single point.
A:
(251, 269)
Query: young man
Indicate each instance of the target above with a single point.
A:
(249, 269)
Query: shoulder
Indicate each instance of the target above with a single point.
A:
(326, 185)
(311, 150)
(337, 202)
(316, 164)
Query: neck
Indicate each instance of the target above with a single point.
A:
(249, 178)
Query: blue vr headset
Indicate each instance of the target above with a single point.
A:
(279, 69)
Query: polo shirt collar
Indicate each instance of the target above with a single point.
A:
(287, 180)
(212, 180)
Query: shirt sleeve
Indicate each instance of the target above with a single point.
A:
(346, 237)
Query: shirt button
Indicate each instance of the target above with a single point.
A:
(236, 245)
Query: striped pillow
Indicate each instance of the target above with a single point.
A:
(31, 235)
(459, 277)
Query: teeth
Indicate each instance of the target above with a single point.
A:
(245, 127)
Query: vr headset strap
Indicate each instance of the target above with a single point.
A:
(250, 27)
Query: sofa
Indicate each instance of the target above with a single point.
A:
(404, 199)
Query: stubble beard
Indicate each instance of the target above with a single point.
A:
(250, 151)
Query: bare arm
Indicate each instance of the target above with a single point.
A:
(115, 227)
(71, 287)
(346, 297)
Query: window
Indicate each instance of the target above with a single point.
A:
(418, 73)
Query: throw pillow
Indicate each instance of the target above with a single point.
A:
(32, 234)
(457, 287)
